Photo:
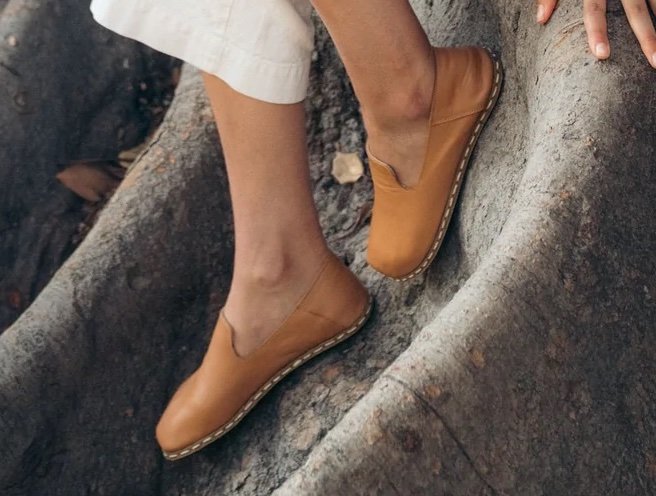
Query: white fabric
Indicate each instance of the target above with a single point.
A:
(261, 48)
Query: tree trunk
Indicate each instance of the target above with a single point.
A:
(71, 90)
(521, 363)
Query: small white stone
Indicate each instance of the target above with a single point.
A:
(347, 167)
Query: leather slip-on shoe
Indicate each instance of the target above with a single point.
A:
(226, 386)
(408, 223)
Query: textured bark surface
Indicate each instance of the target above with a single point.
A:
(521, 363)
(69, 90)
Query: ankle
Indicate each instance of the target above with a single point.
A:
(408, 104)
(277, 266)
(267, 271)
(271, 284)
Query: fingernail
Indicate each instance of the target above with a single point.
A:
(601, 50)
(540, 15)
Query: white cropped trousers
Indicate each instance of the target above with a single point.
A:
(261, 48)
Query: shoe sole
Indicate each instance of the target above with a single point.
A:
(262, 391)
(455, 188)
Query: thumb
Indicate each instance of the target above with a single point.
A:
(545, 9)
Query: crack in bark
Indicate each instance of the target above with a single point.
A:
(154, 141)
(9, 69)
(448, 428)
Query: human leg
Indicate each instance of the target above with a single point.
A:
(278, 240)
(424, 108)
(290, 297)
(390, 63)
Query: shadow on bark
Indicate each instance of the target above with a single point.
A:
(70, 90)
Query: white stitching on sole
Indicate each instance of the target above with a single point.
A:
(253, 400)
(458, 180)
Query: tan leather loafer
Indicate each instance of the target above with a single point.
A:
(408, 223)
(226, 386)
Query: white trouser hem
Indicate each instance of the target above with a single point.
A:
(245, 72)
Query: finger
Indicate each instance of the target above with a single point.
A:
(545, 9)
(637, 12)
(594, 18)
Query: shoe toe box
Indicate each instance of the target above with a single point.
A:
(184, 420)
(393, 261)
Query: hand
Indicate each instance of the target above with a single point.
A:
(594, 17)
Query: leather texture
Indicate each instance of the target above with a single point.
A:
(225, 382)
(408, 223)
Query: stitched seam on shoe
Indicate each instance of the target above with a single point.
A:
(324, 264)
(455, 186)
(262, 390)
(328, 319)
(458, 116)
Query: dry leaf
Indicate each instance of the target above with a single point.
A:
(91, 180)
(347, 167)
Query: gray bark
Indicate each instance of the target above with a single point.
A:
(69, 90)
(521, 363)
